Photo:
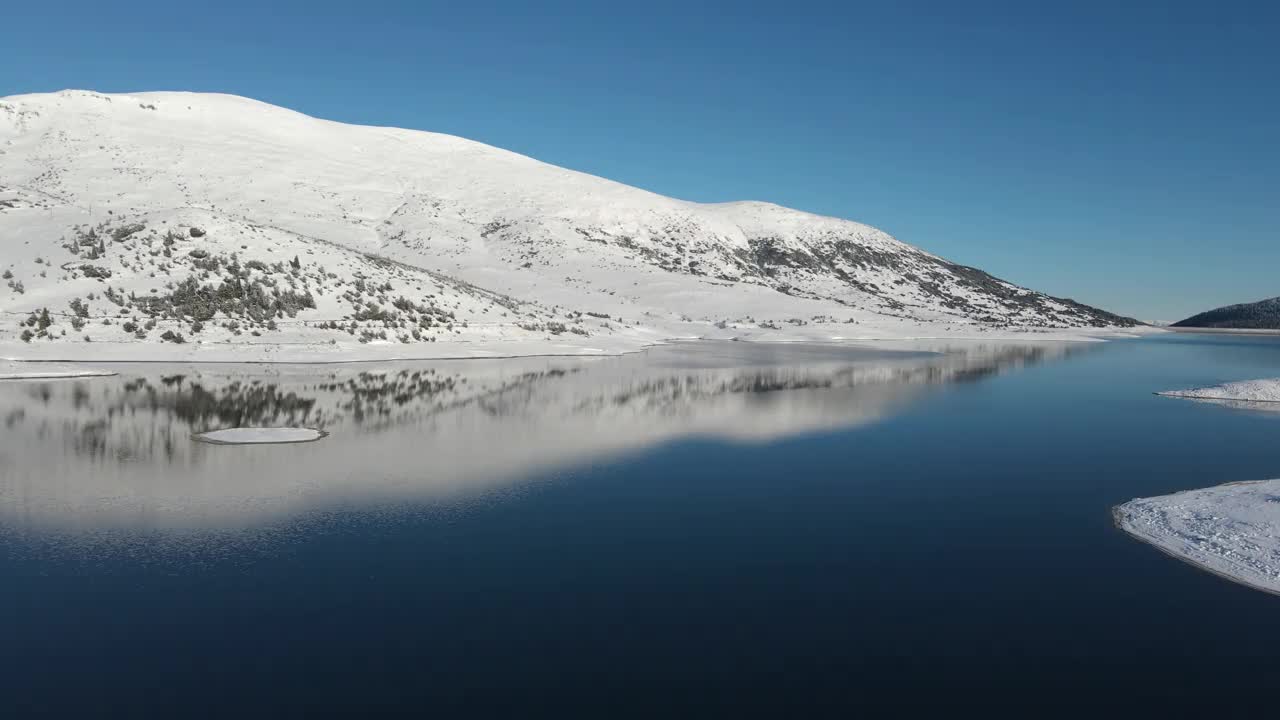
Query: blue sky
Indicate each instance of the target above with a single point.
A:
(1124, 154)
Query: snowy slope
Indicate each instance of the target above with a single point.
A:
(360, 236)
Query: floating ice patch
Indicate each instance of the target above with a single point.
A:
(261, 436)
(54, 375)
(18, 370)
(1248, 391)
(1230, 530)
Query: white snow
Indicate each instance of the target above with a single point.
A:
(1251, 391)
(10, 370)
(55, 375)
(260, 435)
(1230, 530)
(414, 244)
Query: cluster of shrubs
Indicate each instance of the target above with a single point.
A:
(14, 285)
(234, 297)
(553, 327)
(250, 295)
(38, 320)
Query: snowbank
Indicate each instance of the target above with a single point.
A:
(1230, 530)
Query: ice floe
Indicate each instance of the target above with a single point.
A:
(261, 435)
(14, 370)
(1251, 391)
(1230, 530)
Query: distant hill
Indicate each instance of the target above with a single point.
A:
(1261, 315)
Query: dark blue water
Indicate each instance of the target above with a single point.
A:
(956, 553)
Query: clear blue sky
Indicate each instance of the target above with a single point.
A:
(1122, 153)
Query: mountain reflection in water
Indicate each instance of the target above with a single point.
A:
(117, 452)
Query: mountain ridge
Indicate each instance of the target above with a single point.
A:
(600, 258)
(1260, 315)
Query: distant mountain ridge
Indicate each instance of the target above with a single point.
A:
(124, 218)
(1261, 315)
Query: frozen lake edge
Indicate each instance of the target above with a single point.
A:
(1266, 390)
(1230, 530)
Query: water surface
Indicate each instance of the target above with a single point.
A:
(723, 526)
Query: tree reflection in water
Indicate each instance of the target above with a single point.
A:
(110, 450)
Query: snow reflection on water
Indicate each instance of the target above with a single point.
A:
(119, 452)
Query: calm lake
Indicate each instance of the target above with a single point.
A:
(716, 527)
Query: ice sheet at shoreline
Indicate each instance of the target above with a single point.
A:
(11, 370)
(1230, 530)
(55, 375)
(260, 435)
(1267, 390)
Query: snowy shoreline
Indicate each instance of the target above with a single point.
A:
(16, 355)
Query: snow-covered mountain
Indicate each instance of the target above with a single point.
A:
(163, 219)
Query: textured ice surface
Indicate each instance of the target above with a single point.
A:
(1231, 530)
(10, 370)
(260, 436)
(1267, 390)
